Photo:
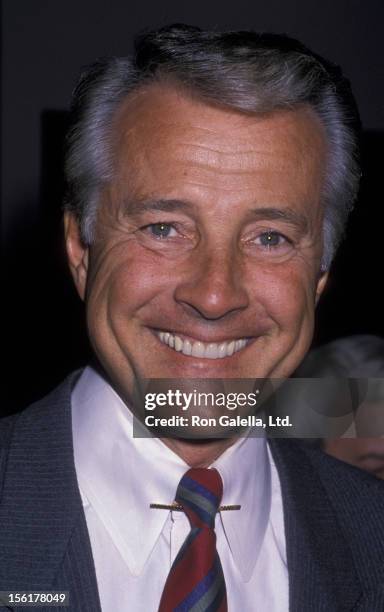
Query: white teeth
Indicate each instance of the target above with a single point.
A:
(239, 344)
(198, 349)
(213, 350)
(231, 348)
(178, 343)
(187, 348)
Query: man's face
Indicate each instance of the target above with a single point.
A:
(208, 242)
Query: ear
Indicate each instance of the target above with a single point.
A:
(77, 253)
(321, 285)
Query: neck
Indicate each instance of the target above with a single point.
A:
(198, 453)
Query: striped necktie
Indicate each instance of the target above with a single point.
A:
(196, 581)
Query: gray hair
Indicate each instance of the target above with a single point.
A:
(244, 71)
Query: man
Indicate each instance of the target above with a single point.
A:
(209, 179)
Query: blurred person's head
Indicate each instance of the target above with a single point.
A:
(360, 359)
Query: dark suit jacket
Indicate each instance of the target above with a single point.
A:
(334, 518)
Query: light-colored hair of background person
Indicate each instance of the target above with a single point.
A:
(356, 357)
(359, 356)
(244, 71)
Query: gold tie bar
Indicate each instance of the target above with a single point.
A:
(179, 508)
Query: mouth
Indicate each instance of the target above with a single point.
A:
(202, 350)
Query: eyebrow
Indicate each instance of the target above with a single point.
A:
(136, 207)
(288, 215)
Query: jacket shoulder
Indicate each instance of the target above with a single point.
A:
(6, 426)
(328, 491)
(16, 428)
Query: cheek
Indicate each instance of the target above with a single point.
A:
(125, 287)
(287, 293)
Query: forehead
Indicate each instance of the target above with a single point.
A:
(161, 132)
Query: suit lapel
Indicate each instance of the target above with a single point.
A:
(45, 539)
(322, 574)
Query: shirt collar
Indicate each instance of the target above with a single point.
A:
(120, 476)
(245, 470)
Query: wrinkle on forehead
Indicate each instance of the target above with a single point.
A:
(168, 141)
(164, 109)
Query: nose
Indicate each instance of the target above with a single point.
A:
(213, 286)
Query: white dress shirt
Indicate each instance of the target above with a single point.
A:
(134, 546)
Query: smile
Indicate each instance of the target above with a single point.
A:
(211, 350)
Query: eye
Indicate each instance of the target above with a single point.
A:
(161, 230)
(271, 239)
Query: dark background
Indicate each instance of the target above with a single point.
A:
(45, 43)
